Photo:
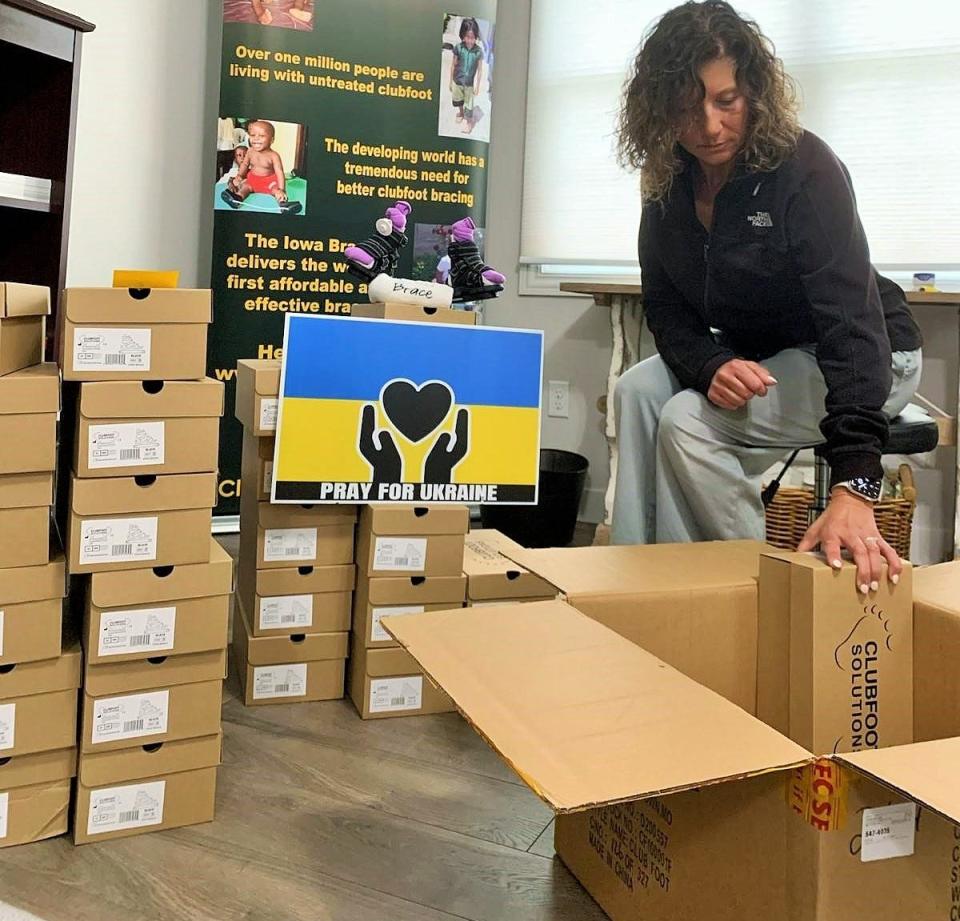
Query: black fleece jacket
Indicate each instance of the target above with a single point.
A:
(786, 263)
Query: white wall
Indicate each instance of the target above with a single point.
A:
(143, 153)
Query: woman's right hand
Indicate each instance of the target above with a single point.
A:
(738, 381)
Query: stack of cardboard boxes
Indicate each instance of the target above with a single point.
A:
(297, 575)
(141, 444)
(39, 666)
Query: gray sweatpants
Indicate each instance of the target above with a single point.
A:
(690, 471)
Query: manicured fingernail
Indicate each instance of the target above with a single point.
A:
(864, 589)
(772, 380)
(837, 564)
(895, 579)
(875, 586)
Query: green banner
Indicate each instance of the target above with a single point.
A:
(331, 111)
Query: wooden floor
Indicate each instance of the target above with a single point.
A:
(323, 816)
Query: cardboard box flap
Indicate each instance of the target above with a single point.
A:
(262, 376)
(415, 519)
(138, 587)
(621, 570)
(34, 583)
(585, 717)
(20, 300)
(133, 494)
(151, 399)
(137, 305)
(492, 574)
(925, 772)
(938, 586)
(33, 390)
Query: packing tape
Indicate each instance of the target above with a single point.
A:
(817, 794)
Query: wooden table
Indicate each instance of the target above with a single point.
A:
(632, 342)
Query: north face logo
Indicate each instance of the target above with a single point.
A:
(760, 219)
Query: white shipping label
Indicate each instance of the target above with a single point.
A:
(289, 544)
(280, 681)
(118, 540)
(96, 349)
(148, 630)
(286, 611)
(130, 717)
(268, 413)
(268, 476)
(377, 633)
(8, 725)
(129, 444)
(403, 554)
(889, 831)
(1, 631)
(396, 694)
(4, 807)
(119, 808)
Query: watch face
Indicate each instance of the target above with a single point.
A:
(867, 487)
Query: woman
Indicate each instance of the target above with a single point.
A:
(773, 328)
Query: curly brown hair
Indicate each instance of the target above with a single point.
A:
(664, 82)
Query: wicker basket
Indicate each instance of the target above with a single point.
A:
(788, 515)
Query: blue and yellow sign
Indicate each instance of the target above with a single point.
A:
(390, 411)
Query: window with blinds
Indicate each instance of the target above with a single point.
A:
(879, 82)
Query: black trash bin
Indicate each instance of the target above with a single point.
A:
(551, 522)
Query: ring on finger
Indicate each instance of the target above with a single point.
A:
(871, 540)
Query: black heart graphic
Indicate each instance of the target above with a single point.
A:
(415, 412)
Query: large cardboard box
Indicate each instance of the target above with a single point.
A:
(675, 805)
(138, 521)
(25, 500)
(414, 313)
(23, 312)
(167, 611)
(308, 599)
(121, 334)
(31, 612)
(397, 595)
(137, 790)
(389, 682)
(35, 795)
(29, 403)
(258, 396)
(288, 669)
(424, 540)
(38, 704)
(144, 427)
(692, 605)
(494, 577)
(936, 647)
(834, 669)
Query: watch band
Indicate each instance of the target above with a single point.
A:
(864, 487)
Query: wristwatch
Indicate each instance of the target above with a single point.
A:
(864, 487)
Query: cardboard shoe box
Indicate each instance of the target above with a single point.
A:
(834, 668)
(414, 313)
(167, 611)
(23, 312)
(31, 612)
(138, 521)
(287, 669)
(423, 540)
(258, 396)
(389, 682)
(129, 704)
(29, 403)
(384, 597)
(692, 605)
(121, 334)
(493, 577)
(258, 464)
(308, 599)
(38, 704)
(25, 501)
(145, 427)
(148, 788)
(35, 795)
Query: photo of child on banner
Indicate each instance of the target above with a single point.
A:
(388, 411)
(466, 75)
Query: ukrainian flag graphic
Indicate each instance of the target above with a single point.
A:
(392, 411)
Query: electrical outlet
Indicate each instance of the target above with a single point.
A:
(558, 399)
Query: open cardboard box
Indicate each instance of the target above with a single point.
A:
(672, 802)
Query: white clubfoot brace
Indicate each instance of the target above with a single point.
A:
(387, 290)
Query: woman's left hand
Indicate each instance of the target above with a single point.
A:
(849, 522)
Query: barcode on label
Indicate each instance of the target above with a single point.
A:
(288, 618)
(132, 725)
(121, 549)
(291, 551)
(129, 454)
(281, 688)
(142, 640)
(397, 701)
(114, 358)
(132, 815)
(401, 561)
